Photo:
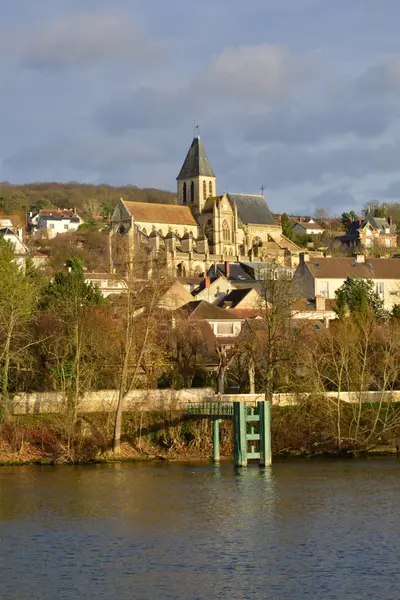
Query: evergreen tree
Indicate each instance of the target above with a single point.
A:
(358, 297)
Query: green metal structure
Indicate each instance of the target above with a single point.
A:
(251, 429)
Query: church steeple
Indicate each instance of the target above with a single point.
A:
(196, 179)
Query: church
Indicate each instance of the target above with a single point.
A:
(203, 227)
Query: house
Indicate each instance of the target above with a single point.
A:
(246, 303)
(176, 296)
(15, 238)
(318, 309)
(369, 232)
(213, 289)
(322, 276)
(107, 283)
(225, 324)
(55, 221)
(309, 227)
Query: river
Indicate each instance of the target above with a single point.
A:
(301, 529)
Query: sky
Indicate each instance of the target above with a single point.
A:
(301, 97)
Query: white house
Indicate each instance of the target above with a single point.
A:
(309, 227)
(55, 221)
(15, 237)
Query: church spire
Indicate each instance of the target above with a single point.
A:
(196, 163)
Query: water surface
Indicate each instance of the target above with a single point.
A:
(315, 530)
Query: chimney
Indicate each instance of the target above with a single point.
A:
(227, 269)
(206, 281)
(304, 257)
(320, 303)
(360, 258)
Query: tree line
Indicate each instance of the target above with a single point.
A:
(60, 334)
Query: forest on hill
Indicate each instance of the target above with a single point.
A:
(88, 199)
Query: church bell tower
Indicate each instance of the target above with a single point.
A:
(196, 179)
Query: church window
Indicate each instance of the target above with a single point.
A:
(144, 230)
(210, 188)
(184, 193)
(208, 231)
(226, 233)
(204, 190)
(192, 191)
(160, 232)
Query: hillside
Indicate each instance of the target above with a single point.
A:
(86, 198)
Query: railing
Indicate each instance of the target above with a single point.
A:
(209, 409)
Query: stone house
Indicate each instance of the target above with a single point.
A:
(369, 232)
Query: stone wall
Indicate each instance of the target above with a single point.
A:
(164, 400)
(106, 400)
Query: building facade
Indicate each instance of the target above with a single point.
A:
(204, 228)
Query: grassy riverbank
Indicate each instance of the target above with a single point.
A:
(50, 439)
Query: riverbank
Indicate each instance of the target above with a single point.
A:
(165, 436)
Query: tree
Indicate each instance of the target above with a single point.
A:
(358, 297)
(17, 302)
(320, 214)
(286, 225)
(347, 219)
(66, 303)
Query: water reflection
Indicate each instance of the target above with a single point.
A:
(296, 530)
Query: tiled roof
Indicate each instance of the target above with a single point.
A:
(309, 225)
(340, 268)
(57, 213)
(196, 162)
(236, 296)
(202, 310)
(161, 213)
(252, 209)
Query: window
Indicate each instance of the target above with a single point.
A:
(226, 234)
(184, 193)
(387, 242)
(204, 190)
(210, 188)
(324, 289)
(66, 226)
(379, 287)
(192, 191)
(224, 329)
(51, 225)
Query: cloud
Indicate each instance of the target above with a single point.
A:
(296, 126)
(236, 80)
(264, 73)
(82, 39)
(381, 79)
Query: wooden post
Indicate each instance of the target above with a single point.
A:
(239, 433)
(216, 451)
(264, 409)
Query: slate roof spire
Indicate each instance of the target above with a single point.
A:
(196, 162)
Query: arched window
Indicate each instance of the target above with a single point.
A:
(144, 230)
(184, 193)
(192, 191)
(226, 234)
(210, 188)
(208, 232)
(204, 190)
(160, 232)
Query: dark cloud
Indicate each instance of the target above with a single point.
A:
(290, 126)
(334, 200)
